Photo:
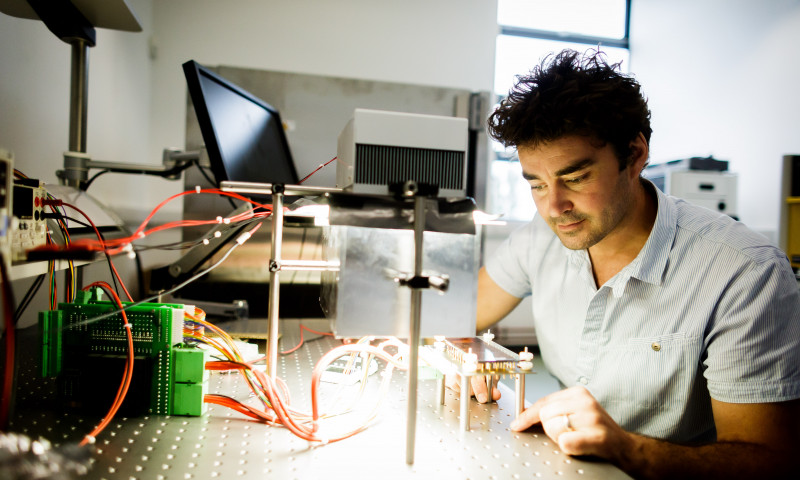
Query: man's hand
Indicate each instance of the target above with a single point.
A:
(577, 423)
(753, 440)
(477, 387)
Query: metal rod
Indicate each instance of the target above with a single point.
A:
(519, 390)
(78, 98)
(414, 334)
(274, 284)
(266, 188)
(313, 265)
(464, 402)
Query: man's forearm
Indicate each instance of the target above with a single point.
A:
(657, 459)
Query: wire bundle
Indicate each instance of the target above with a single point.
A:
(274, 394)
(124, 244)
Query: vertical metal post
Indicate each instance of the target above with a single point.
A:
(519, 391)
(78, 114)
(274, 281)
(464, 404)
(78, 98)
(414, 334)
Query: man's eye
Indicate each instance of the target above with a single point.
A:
(537, 188)
(577, 179)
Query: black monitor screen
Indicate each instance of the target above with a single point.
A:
(244, 135)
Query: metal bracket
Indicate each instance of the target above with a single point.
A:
(437, 282)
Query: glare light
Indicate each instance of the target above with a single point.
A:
(483, 218)
(320, 213)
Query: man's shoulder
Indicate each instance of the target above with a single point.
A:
(700, 225)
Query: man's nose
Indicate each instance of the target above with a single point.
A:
(559, 201)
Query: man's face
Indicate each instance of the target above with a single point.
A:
(578, 188)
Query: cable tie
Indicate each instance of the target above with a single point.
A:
(197, 188)
(219, 219)
(205, 241)
(140, 235)
(226, 221)
(127, 325)
(90, 439)
(217, 234)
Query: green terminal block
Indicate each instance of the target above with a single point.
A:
(50, 327)
(190, 381)
(86, 350)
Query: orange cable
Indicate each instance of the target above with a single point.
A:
(122, 391)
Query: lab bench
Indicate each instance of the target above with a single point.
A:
(225, 444)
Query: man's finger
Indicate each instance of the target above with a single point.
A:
(453, 382)
(479, 388)
(528, 417)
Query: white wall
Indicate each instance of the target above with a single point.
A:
(444, 43)
(137, 104)
(34, 101)
(722, 77)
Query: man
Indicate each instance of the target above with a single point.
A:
(676, 328)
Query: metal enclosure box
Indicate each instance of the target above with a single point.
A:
(711, 189)
(362, 297)
(377, 149)
(789, 231)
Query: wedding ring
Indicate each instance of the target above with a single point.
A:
(567, 423)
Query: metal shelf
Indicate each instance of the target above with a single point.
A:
(32, 269)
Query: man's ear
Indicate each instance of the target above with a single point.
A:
(640, 152)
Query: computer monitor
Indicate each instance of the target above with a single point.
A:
(244, 135)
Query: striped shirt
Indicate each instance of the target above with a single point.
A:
(708, 309)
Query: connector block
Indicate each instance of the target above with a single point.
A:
(85, 346)
(190, 381)
(50, 328)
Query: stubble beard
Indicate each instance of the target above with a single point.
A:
(592, 231)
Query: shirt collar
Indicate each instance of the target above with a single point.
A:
(651, 262)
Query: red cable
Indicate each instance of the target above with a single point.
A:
(115, 246)
(122, 391)
(284, 415)
(316, 170)
(303, 327)
(8, 374)
(100, 239)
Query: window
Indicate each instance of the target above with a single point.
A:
(529, 31)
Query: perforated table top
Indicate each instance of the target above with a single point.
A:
(224, 444)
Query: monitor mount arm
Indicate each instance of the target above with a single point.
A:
(77, 165)
(75, 25)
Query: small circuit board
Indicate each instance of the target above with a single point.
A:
(476, 356)
(489, 357)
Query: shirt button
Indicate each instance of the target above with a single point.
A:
(656, 346)
(583, 380)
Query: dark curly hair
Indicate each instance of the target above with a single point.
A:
(573, 94)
